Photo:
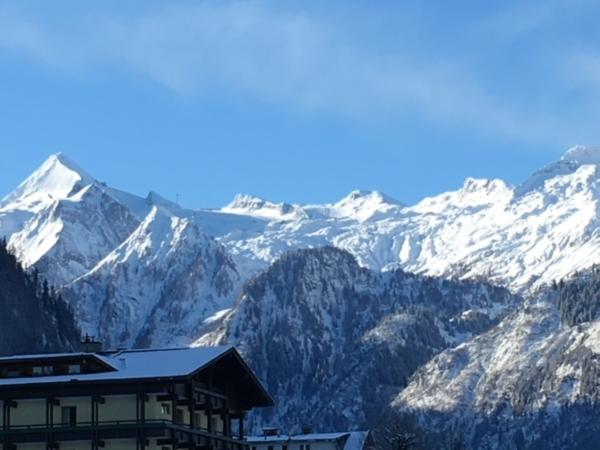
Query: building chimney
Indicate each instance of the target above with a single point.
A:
(90, 345)
(307, 429)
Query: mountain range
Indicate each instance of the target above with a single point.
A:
(436, 308)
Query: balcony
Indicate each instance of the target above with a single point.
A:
(166, 432)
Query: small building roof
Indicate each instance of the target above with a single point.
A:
(355, 440)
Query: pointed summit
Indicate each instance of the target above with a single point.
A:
(362, 205)
(362, 196)
(57, 178)
(574, 158)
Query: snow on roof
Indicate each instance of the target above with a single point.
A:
(43, 356)
(355, 440)
(318, 436)
(275, 438)
(129, 364)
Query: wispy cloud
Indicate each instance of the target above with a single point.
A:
(516, 19)
(278, 54)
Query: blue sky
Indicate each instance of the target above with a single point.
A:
(296, 101)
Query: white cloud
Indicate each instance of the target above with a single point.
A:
(276, 54)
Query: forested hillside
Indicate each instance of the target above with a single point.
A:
(34, 318)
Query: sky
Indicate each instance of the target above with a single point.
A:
(298, 101)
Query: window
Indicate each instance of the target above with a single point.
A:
(39, 371)
(179, 416)
(215, 423)
(165, 409)
(74, 368)
(284, 447)
(270, 447)
(68, 416)
(301, 446)
(197, 420)
(307, 447)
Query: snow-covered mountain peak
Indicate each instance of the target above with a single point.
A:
(362, 205)
(484, 191)
(56, 179)
(579, 158)
(362, 196)
(158, 231)
(255, 206)
(483, 184)
(582, 155)
(474, 193)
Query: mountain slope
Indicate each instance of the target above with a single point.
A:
(158, 286)
(335, 342)
(34, 319)
(531, 379)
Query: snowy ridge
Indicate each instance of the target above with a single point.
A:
(64, 222)
(523, 237)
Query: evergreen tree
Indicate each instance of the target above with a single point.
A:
(34, 318)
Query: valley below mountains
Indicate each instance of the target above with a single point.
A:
(470, 317)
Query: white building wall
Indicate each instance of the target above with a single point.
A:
(28, 412)
(154, 410)
(109, 444)
(201, 420)
(83, 407)
(117, 408)
(41, 446)
(75, 445)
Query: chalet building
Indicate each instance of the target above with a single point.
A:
(307, 440)
(194, 398)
